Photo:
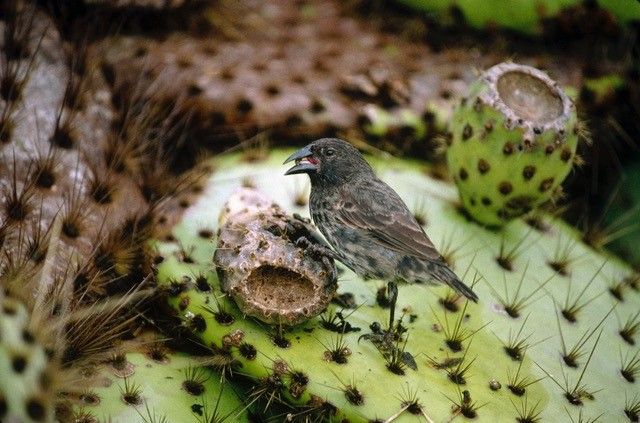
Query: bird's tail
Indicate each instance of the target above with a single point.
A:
(446, 275)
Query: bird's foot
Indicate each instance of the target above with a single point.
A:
(315, 250)
(319, 252)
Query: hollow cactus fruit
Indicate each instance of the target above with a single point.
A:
(513, 141)
(263, 270)
(156, 385)
(26, 372)
(554, 335)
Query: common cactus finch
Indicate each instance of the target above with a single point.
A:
(366, 222)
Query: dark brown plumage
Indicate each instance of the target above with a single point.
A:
(366, 222)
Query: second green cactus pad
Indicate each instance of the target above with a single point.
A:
(512, 143)
(525, 16)
(539, 343)
(156, 385)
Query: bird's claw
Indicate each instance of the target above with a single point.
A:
(303, 243)
(318, 252)
(315, 250)
(312, 249)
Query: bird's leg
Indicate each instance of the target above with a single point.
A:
(392, 293)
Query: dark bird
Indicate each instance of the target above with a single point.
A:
(366, 222)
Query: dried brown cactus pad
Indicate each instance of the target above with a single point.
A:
(262, 269)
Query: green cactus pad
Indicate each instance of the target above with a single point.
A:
(499, 360)
(513, 141)
(26, 375)
(524, 16)
(157, 385)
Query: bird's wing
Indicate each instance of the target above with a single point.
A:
(375, 207)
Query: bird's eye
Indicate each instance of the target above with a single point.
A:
(330, 152)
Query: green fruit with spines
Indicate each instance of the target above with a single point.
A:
(495, 350)
(156, 385)
(513, 141)
(26, 370)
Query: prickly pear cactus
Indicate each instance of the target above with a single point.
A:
(157, 385)
(25, 369)
(554, 335)
(513, 141)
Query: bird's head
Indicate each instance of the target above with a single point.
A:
(329, 160)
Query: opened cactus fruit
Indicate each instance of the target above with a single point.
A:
(513, 141)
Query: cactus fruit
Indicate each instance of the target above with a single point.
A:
(157, 385)
(26, 371)
(555, 331)
(513, 141)
(261, 267)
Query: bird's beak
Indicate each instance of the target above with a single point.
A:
(305, 162)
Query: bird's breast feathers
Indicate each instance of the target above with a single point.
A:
(370, 213)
